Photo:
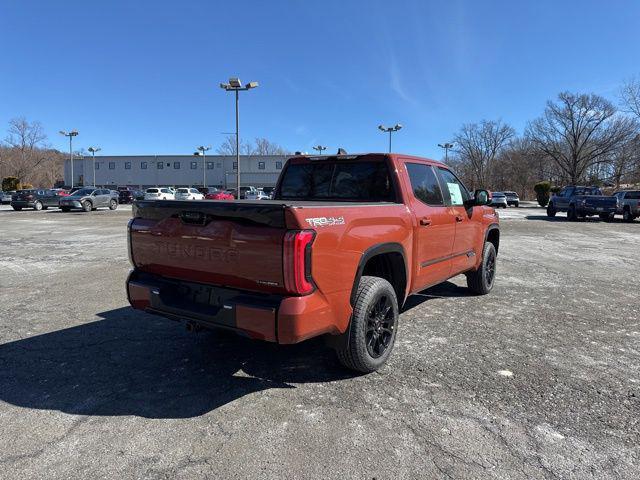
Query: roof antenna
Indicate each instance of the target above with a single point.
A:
(342, 151)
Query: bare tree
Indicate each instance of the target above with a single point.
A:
(25, 141)
(578, 132)
(262, 146)
(516, 168)
(228, 147)
(479, 144)
(629, 96)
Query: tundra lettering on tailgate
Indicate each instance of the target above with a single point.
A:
(176, 250)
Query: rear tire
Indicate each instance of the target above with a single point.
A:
(37, 205)
(86, 206)
(373, 326)
(113, 205)
(481, 281)
(626, 215)
(572, 214)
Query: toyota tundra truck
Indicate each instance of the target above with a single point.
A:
(581, 202)
(344, 242)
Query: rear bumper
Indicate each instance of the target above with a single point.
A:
(272, 318)
(594, 210)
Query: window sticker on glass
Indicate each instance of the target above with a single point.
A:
(455, 193)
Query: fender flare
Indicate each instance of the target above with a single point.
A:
(388, 247)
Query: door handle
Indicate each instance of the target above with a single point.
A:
(425, 222)
(459, 218)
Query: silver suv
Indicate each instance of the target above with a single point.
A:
(628, 204)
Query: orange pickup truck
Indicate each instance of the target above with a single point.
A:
(337, 251)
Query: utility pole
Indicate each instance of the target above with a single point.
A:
(93, 151)
(390, 130)
(319, 149)
(235, 85)
(204, 150)
(71, 134)
(447, 146)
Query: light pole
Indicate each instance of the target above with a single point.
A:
(319, 149)
(235, 85)
(93, 151)
(71, 134)
(204, 149)
(447, 146)
(395, 128)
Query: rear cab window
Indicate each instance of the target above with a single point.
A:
(424, 184)
(356, 180)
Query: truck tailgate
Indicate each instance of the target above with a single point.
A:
(231, 244)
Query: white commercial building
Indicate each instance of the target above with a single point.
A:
(175, 170)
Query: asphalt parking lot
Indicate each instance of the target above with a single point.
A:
(539, 379)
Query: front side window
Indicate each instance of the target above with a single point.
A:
(453, 188)
(425, 184)
(112, 165)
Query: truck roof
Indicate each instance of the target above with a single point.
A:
(353, 156)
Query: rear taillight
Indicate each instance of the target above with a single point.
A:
(297, 261)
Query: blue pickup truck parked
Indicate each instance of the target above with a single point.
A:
(580, 202)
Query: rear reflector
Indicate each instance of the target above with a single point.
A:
(297, 261)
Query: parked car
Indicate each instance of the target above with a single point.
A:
(38, 199)
(188, 194)
(159, 193)
(129, 196)
(219, 195)
(243, 191)
(512, 199)
(393, 224)
(5, 197)
(628, 204)
(580, 202)
(89, 198)
(256, 195)
(269, 191)
(498, 199)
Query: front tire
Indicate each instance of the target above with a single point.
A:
(37, 205)
(373, 327)
(481, 281)
(572, 214)
(551, 211)
(113, 205)
(86, 206)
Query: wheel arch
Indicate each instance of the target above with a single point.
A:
(492, 235)
(384, 260)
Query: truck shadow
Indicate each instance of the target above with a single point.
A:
(564, 219)
(130, 363)
(442, 290)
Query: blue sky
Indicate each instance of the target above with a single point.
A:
(142, 77)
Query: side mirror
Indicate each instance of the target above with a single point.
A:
(481, 197)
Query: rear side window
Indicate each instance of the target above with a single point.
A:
(152, 190)
(425, 184)
(341, 180)
(183, 190)
(633, 195)
(453, 188)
